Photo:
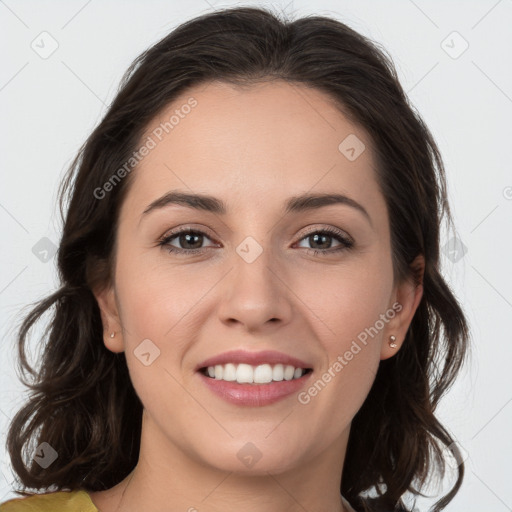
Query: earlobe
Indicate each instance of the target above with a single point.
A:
(112, 332)
(408, 297)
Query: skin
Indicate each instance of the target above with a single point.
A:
(253, 148)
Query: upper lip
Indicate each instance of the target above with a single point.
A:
(253, 358)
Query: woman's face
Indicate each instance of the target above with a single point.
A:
(257, 285)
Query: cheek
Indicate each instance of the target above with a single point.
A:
(166, 306)
(154, 297)
(346, 306)
(347, 300)
(153, 310)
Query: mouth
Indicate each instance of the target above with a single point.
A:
(254, 374)
(254, 379)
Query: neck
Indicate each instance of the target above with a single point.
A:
(175, 481)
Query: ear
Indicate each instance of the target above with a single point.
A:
(110, 318)
(406, 299)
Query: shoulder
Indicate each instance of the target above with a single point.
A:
(61, 501)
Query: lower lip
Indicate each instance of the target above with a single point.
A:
(255, 395)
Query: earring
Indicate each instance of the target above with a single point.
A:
(112, 334)
(392, 343)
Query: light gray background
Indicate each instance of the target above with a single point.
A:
(50, 106)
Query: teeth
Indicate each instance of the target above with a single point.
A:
(289, 372)
(278, 372)
(229, 372)
(262, 374)
(247, 374)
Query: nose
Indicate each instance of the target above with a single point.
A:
(255, 295)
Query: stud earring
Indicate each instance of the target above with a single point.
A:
(112, 334)
(392, 343)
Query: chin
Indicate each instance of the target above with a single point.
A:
(247, 459)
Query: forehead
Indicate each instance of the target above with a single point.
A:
(262, 143)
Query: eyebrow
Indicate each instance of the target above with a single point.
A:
(295, 204)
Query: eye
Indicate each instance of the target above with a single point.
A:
(191, 241)
(323, 237)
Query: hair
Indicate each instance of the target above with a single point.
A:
(82, 401)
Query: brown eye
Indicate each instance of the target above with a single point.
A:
(190, 241)
(321, 241)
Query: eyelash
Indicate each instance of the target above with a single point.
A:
(346, 243)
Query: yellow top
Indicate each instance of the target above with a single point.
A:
(66, 501)
(61, 501)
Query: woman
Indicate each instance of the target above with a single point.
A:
(292, 356)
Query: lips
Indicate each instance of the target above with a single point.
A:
(254, 394)
(271, 357)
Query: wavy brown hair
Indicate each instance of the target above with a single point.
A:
(82, 401)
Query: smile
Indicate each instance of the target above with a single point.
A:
(249, 374)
